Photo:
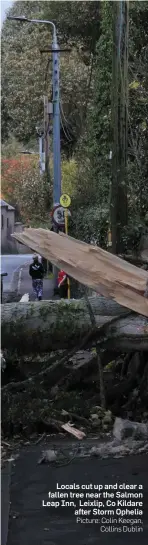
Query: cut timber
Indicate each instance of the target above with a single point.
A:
(102, 271)
(24, 298)
(70, 429)
(49, 325)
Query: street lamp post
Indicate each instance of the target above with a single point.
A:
(56, 124)
(56, 107)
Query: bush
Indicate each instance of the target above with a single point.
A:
(25, 188)
(90, 225)
(132, 234)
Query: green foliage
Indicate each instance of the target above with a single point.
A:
(32, 194)
(100, 115)
(78, 23)
(69, 177)
(95, 145)
(86, 129)
(11, 147)
(23, 76)
(24, 187)
(138, 109)
(97, 140)
(132, 234)
(26, 74)
(91, 225)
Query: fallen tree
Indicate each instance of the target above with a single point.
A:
(101, 271)
(41, 327)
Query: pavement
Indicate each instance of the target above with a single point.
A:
(25, 285)
(11, 264)
(32, 524)
(18, 279)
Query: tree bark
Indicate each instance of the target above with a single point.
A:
(41, 327)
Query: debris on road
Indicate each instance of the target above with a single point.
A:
(126, 428)
(24, 298)
(74, 431)
(48, 456)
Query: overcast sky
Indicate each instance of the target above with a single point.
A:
(6, 4)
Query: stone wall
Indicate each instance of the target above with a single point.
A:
(20, 248)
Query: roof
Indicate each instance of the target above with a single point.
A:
(4, 204)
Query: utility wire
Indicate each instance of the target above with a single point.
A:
(65, 128)
(118, 49)
(66, 135)
(130, 126)
(62, 111)
(66, 122)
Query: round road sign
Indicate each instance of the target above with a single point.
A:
(58, 215)
(65, 200)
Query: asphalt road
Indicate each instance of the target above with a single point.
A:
(10, 263)
(31, 524)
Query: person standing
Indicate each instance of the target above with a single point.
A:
(36, 272)
(62, 284)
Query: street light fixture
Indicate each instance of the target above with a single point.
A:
(56, 106)
(24, 19)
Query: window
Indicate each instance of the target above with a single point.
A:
(7, 222)
(2, 221)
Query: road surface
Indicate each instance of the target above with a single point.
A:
(30, 482)
(10, 263)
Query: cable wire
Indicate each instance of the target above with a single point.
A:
(62, 111)
(65, 124)
(66, 135)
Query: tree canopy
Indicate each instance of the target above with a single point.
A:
(86, 28)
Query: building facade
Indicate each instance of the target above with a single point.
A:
(8, 227)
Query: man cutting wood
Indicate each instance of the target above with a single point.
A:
(36, 272)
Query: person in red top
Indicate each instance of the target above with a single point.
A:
(62, 284)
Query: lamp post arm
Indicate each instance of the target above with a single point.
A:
(25, 19)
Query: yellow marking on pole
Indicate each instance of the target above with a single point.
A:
(109, 238)
(65, 200)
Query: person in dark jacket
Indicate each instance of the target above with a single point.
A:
(36, 272)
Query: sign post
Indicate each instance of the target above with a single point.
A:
(65, 201)
(58, 216)
(66, 231)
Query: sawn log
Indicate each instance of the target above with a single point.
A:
(49, 325)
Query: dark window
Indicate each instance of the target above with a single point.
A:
(7, 222)
(2, 221)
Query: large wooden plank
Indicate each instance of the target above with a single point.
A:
(105, 273)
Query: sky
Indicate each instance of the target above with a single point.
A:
(6, 4)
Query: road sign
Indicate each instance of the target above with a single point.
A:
(65, 200)
(58, 215)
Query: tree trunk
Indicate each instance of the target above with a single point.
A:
(41, 327)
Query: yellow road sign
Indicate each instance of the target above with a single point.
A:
(65, 200)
